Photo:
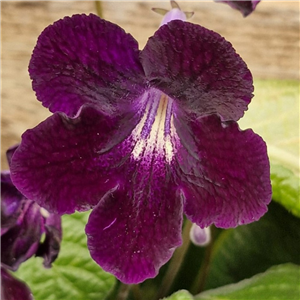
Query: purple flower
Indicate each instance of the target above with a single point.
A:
(246, 7)
(23, 222)
(141, 137)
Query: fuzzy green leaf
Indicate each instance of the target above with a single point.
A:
(274, 114)
(285, 188)
(247, 250)
(278, 283)
(180, 295)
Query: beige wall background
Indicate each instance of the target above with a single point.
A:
(268, 40)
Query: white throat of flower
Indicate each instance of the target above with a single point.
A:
(155, 134)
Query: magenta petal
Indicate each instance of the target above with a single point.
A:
(225, 173)
(135, 229)
(246, 7)
(64, 164)
(86, 60)
(13, 288)
(199, 69)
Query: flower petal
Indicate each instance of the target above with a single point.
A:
(13, 288)
(86, 60)
(49, 249)
(224, 172)
(199, 69)
(246, 7)
(21, 241)
(64, 164)
(11, 202)
(135, 229)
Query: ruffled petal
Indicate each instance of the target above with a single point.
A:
(86, 60)
(224, 172)
(21, 241)
(13, 288)
(199, 69)
(246, 7)
(135, 228)
(67, 164)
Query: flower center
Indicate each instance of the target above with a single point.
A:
(155, 134)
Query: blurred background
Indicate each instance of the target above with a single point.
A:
(268, 40)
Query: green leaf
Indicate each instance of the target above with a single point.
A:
(74, 275)
(285, 187)
(274, 114)
(247, 250)
(278, 283)
(180, 295)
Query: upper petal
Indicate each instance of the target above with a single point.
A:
(135, 228)
(84, 59)
(67, 164)
(224, 172)
(199, 69)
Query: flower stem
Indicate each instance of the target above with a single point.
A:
(123, 291)
(175, 262)
(136, 292)
(200, 279)
(99, 8)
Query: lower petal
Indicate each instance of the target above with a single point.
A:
(135, 229)
(224, 172)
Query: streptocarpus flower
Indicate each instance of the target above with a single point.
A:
(141, 137)
(246, 7)
(23, 222)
